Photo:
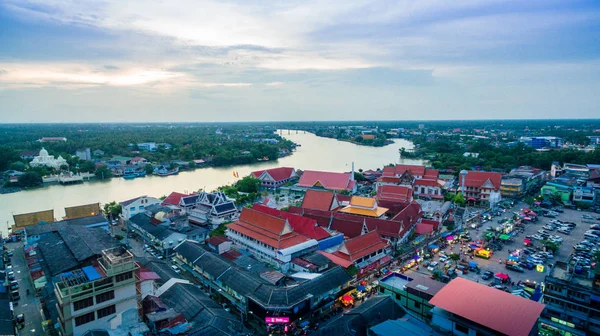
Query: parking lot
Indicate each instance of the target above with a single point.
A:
(494, 265)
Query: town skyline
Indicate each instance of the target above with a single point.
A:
(236, 61)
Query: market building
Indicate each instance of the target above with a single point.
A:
(464, 307)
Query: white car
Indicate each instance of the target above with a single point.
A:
(432, 266)
(176, 269)
(443, 258)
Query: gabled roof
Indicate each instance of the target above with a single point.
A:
(273, 231)
(394, 193)
(477, 179)
(366, 202)
(303, 225)
(410, 214)
(361, 246)
(385, 227)
(318, 199)
(349, 228)
(173, 199)
(364, 206)
(513, 315)
(326, 180)
(432, 174)
(426, 183)
(127, 202)
(189, 200)
(399, 169)
(278, 174)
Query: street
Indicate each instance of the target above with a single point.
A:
(28, 305)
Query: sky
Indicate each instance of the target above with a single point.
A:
(252, 60)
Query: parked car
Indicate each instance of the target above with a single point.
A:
(487, 275)
(176, 269)
(515, 268)
(432, 266)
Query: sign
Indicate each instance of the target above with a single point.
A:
(279, 319)
(540, 268)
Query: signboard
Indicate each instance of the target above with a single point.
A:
(540, 268)
(278, 319)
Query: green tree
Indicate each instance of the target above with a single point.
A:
(551, 246)
(359, 139)
(112, 210)
(87, 166)
(18, 166)
(219, 231)
(119, 237)
(149, 169)
(103, 172)
(30, 179)
(454, 256)
(459, 199)
(248, 184)
(7, 156)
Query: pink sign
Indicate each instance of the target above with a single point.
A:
(281, 319)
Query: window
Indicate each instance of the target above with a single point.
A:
(124, 276)
(417, 304)
(83, 319)
(77, 305)
(397, 296)
(106, 311)
(105, 296)
(381, 289)
(461, 328)
(141, 207)
(132, 209)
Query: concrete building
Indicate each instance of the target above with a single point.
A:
(481, 187)
(412, 293)
(542, 142)
(464, 307)
(136, 205)
(95, 296)
(572, 301)
(84, 154)
(520, 181)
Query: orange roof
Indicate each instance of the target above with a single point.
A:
(512, 314)
(327, 180)
(366, 202)
(318, 199)
(377, 212)
(368, 136)
(477, 179)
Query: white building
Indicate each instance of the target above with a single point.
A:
(84, 154)
(47, 160)
(95, 296)
(136, 205)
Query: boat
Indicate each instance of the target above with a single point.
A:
(129, 174)
(164, 171)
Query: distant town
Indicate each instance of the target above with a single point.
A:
(500, 224)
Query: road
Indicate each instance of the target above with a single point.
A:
(495, 266)
(28, 304)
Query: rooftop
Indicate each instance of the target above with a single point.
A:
(513, 315)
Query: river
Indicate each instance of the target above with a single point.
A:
(315, 153)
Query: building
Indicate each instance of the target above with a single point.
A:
(320, 200)
(428, 188)
(579, 171)
(33, 218)
(98, 153)
(366, 251)
(174, 198)
(464, 307)
(28, 155)
(34, 233)
(138, 160)
(148, 146)
(269, 238)
(399, 170)
(406, 326)
(572, 301)
(156, 231)
(481, 187)
(312, 179)
(584, 195)
(84, 154)
(275, 177)
(359, 320)
(211, 209)
(136, 205)
(43, 159)
(364, 206)
(520, 181)
(411, 293)
(95, 296)
(254, 296)
(7, 326)
(72, 247)
(394, 193)
(542, 142)
(53, 139)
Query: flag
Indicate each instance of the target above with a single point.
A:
(234, 174)
(237, 174)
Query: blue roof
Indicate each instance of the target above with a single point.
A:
(91, 273)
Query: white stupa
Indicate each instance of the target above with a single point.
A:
(47, 160)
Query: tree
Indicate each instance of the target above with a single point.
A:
(112, 210)
(87, 166)
(18, 166)
(358, 139)
(454, 256)
(30, 179)
(459, 199)
(7, 156)
(219, 231)
(149, 169)
(359, 177)
(551, 246)
(119, 237)
(248, 184)
(103, 172)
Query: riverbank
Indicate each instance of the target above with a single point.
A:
(315, 153)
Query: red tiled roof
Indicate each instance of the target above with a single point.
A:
(362, 245)
(148, 276)
(348, 228)
(303, 263)
(394, 193)
(410, 214)
(432, 174)
(477, 179)
(343, 198)
(423, 228)
(328, 180)
(216, 240)
(385, 227)
(398, 170)
(337, 260)
(435, 223)
(303, 225)
(512, 314)
(318, 199)
(427, 183)
(295, 210)
(266, 229)
(173, 199)
(231, 255)
(136, 159)
(278, 174)
(389, 179)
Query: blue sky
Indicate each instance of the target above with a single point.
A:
(189, 60)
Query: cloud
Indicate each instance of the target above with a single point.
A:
(274, 84)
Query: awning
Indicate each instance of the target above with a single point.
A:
(385, 260)
(471, 199)
(450, 238)
(504, 237)
(416, 257)
(433, 246)
(527, 218)
(527, 241)
(472, 264)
